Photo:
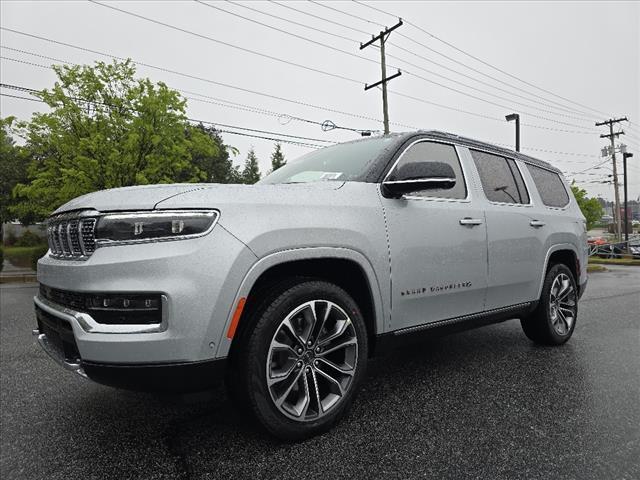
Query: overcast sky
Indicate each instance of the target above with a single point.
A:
(583, 52)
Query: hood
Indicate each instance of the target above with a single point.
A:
(217, 195)
(128, 198)
(195, 195)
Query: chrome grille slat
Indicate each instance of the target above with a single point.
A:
(71, 236)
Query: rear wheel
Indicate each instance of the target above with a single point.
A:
(304, 359)
(554, 319)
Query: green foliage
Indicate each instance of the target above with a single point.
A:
(214, 157)
(251, 171)
(28, 239)
(13, 168)
(23, 256)
(1, 258)
(277, 158)
(108, 129)
(10, 237)
(590, 207)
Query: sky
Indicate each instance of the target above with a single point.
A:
(561, 65)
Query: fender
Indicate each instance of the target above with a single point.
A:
(555, 248)
(305, 253)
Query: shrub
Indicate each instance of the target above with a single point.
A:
(37, 254)
(28, 239)
(10, 238)
(1, 258)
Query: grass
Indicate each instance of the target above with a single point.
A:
(21, 256)
(595, 268)
(613, 261)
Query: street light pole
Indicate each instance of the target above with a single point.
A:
(516, 117)
(626, 155)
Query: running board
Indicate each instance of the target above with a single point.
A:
(403, 336)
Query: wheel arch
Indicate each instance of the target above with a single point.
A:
(347, 268)
(566, 254)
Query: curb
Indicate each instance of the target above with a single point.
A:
(19, 278)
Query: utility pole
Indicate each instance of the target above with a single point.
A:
(626, 155)
(516, 117)
(382, 36)
(612, 136)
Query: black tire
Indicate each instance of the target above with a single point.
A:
(251, 365)
(542, 326)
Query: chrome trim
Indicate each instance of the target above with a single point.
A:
(89, 325)
(422, 180)
(167, 213)
(75, 366)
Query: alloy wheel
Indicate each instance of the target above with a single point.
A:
(562, 304)
(312, 360)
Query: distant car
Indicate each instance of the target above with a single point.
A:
(634, 249)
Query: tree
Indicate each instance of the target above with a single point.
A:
(251, 171)
(590, 207)
(14, 161)
(13, 168)
(277, 158)
(107, 129)
(218, 166)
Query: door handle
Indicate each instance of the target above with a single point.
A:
(537, 223)
(470, 222)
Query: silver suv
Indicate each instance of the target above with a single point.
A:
(286, 288)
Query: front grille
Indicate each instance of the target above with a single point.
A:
(72, 235)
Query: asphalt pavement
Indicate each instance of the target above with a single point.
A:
(483, 404)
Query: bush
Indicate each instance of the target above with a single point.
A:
(37, 254)
(28, 239)
(10, 238)
(1, 258)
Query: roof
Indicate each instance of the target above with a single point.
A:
(471, 143)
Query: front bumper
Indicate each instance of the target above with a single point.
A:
(197, 280)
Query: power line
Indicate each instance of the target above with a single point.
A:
(408, 96)
(327, 125)
(266, 112)
(227, 44)
(314, 69)
(288, 138)
(195, 77)
(559, 107)
(482, 61)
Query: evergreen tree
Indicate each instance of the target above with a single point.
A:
(277, 158)
(251, 171)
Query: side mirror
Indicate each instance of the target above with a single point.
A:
(417, 176)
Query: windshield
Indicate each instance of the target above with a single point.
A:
(345, 161)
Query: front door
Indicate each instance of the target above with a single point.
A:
(438, 246)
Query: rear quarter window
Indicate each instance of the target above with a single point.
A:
(550, 187)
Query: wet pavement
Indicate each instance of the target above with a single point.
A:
(483, 404)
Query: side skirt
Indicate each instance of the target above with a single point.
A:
(388, 341)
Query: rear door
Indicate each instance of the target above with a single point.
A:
(515, 233)
(437, 242)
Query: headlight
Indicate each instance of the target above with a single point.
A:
(142, 227)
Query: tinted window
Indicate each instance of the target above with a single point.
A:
(550, 186)
(501, 179)
(435, 152)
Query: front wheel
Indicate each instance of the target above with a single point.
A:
(305, 359)
(554, 319)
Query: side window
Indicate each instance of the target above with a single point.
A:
(435, 152)
(550, 186)
(500, 177)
